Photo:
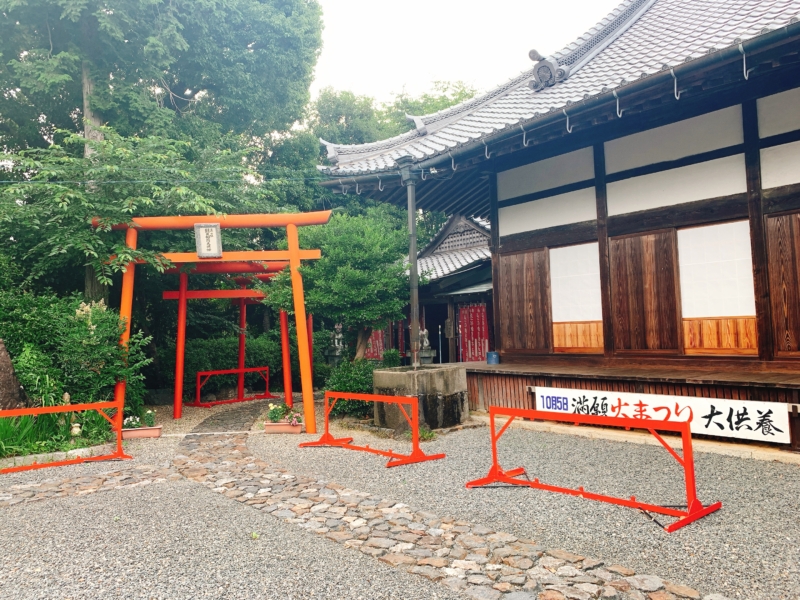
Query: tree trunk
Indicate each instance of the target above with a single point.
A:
(91, 122)
(362, 341)
(93, 290)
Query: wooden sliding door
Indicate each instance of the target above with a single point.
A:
(645, 292)
(783, 249)
(524, 302)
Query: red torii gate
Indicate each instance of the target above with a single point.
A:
(225, 264)
(242, 297)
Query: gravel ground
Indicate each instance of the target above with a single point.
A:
(748, 550)
(181, 540)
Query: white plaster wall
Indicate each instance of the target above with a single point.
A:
(719, 129)
(780, 165)
(572, 207)
(575, 283)
(779, 113)
(710, 179)
(716, 271)
(546, 174)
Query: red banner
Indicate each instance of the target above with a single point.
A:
(474, 332)
(375, 345)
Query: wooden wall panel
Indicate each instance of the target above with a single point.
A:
(783, 247)
(524, 306)
(730, 335)
(644, 292)
(578, 336)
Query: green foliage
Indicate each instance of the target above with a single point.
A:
(425, 434)
(360, 279)
(50, 433)
(355, 377)
(45, 219)
(391, 358)
(282, 412)
(245, 65)
(63, 345)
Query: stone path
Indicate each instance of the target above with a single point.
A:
(477, 561)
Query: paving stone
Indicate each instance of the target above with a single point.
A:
(682, 591)
(482, 593)
(645, 583)
(397, 559)
(565, 556)
(660, 595)
(551, 595)
(625, 572)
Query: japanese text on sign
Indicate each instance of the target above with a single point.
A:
(743, 419)
(208, 240)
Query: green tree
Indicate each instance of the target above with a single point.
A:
(361, 279)
(46, 217)
(140, 65)
(444, 95)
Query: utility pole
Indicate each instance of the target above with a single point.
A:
(409, 179)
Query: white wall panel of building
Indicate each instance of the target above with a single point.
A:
(546, 174)
(711, 179)
(716, 271)
(572, 207)
(575, 283)
(779, 113)
(712, 131)
(780, 165)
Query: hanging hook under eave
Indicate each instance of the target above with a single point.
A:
(452, 162)
(422, 174)
(357, 192)
(744, 63)
(486, 152)
(619, 112)
(569, 129)
(380, 185)
(524, 137)
(677, 93)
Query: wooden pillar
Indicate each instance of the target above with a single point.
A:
(495, 248)
(311, 341)
(451, 341)
(180, 347)
(125, 313)
(306, 382)
(242, 347)
(602, 243)
(758, 242)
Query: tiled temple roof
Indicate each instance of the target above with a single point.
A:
(640, 38)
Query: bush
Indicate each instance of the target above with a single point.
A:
(62, 345)
(355, 377)
(391, 359)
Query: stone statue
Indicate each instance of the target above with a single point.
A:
(338, 339)
(423, 339)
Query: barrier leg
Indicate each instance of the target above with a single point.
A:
(327, 439)
(417, 455)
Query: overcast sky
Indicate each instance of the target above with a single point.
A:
(378, 47)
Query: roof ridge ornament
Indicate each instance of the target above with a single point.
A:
(333, 155)
(546, 71)
(422, 129)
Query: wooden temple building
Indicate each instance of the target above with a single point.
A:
(643, 190)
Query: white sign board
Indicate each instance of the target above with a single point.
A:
(742, 419)
(208, 240)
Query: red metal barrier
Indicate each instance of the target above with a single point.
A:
(395, 459)
(694, 508)
(204, 376)
(100, 407)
